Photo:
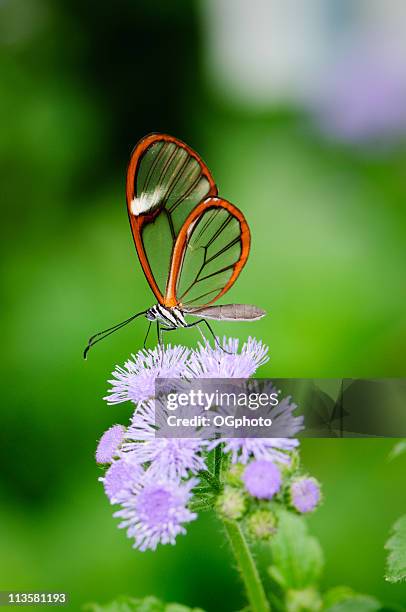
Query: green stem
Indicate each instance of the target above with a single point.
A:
(249, 572)
(218, 452)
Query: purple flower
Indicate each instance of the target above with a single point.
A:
(305, 494)
(136, 380)
(109, 444)
(284, 422)
(364, 97)
(155, 510)
(262, 479)
(208, 362)
(170, 458)
(119, 479)
(269, 449)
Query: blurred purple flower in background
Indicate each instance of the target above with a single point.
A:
(345, 62)
(363, 97)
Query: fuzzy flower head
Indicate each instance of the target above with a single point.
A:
(284, 422)
(208, 362)
(109, 444)
(171, 458)
(278, 448)
(155, 511)
(136, 380)
(269, 449)
(262, 479)
(305, 494)
(119, 480)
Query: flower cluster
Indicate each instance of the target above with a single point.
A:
(255, 492)
(158, 482)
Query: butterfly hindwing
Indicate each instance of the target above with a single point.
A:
(209, 253)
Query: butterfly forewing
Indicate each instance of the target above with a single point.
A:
(157, 241)
(209, 253)
(166, 180)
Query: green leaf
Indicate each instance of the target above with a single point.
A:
(297, 558)
(336, 595)
(396, 561)
(202, 502)
(129, 604)
(344, 599)
(174, 607)
(398, 450)
(358, 603)
(307, 600)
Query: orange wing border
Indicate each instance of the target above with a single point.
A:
(170, 299)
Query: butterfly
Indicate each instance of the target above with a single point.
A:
(192, 244)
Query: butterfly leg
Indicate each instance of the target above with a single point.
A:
(209, 327)
(147, 334)
(160, 331)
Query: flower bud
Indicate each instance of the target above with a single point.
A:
(262, 524)
(304, 494)
(231, 503)
(234, 474)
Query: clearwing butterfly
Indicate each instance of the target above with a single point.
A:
(192, 244)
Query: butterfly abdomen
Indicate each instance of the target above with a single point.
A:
(228, 312)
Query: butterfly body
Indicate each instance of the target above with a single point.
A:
(191, 243)
(172, 317)
(175, 316)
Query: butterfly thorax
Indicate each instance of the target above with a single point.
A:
(172, 317)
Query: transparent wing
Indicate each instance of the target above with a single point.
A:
(166, 179)
(210, 252)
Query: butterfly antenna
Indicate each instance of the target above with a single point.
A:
(107, 332)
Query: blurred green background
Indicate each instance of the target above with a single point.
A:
(80, 83)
